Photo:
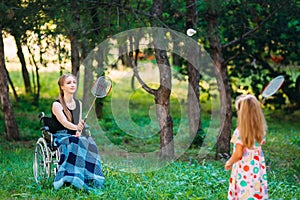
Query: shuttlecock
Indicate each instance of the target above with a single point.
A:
(190, 32)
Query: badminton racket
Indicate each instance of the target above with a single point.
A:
(272, 87)
(100, 89)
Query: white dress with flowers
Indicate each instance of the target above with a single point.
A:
(248, 179)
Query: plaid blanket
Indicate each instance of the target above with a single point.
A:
(79, 162)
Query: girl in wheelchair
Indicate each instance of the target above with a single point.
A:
(79, 162)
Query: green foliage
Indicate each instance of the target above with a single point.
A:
(265, 53)
(93, 21)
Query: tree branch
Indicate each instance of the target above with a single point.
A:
(137, 75)
(261, 24)
(225, 63)
(133, 64)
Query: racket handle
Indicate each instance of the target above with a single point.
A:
(78, 133)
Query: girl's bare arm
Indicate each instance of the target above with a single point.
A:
(236, 156)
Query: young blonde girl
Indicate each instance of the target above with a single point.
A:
(248, 179)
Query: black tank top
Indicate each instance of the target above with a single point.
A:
(57, 126)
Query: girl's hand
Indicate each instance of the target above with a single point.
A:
(80, 127)
(78, 134)
(228, 166)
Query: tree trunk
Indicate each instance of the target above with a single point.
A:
(88, 77)
(194, 110)
(162, 101)
(25, 73)
(12, 131)
(162, 96)
(75, 57)
(12, 86)
(37, 85)
(223, 140)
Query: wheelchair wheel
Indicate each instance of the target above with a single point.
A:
(42, 161)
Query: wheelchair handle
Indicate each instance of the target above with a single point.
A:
(41, 115)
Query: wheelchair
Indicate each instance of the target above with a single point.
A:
(46, 154)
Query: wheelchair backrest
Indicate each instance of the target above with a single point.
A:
(47, 123)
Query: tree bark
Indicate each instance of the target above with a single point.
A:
(12, 86)
(36, 85)
(162, 95)
(88, 77)
(12, 131)
(194, 110)
(162, 101)
(25, 73)
(223, 140)
(75, 57)
(75, 60)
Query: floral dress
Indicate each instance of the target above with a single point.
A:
(248, 179)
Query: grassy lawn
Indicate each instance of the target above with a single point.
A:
(197, 179)
(186, 178)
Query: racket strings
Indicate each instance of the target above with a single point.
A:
(273, 86)
(101, 87)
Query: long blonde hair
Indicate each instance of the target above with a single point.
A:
(61, 99)
(251, 121)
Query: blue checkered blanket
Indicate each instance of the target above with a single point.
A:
(79, 162)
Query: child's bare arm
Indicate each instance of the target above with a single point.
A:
(236, 156)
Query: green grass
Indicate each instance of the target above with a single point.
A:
(204, 179)
(189, 177)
